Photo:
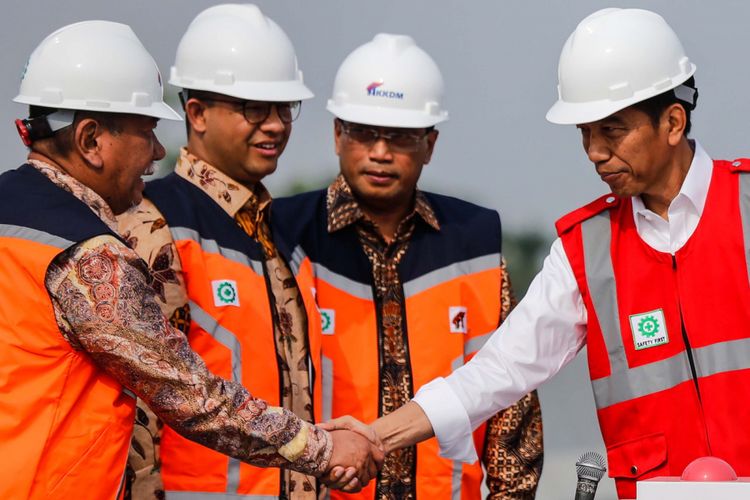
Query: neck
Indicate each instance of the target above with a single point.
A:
(198, 150)
(58, 163)
(387, 219)
(659, 199)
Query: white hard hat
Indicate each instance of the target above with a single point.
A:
(235, 50)
(389, 82)
(616, 58)
(94, 66)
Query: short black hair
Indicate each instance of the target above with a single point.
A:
(654, 107)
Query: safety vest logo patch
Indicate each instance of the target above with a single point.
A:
(225, 293)
(328, 321)
(649, 329)
(457, 319)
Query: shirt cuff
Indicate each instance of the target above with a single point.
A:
(449, 420)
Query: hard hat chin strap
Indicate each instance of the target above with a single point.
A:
(41, 127)
(687, 94)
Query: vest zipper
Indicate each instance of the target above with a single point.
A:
(691, 361)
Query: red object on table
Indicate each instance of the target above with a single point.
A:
(708, 469)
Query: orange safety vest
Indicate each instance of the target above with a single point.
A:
(65, 426)
(451, 282)
(668, 339)
(231, 328)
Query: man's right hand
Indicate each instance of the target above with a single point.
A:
(355, 453)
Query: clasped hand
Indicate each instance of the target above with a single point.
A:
(357, 455)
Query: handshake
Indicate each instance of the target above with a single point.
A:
(357, 456)
(359, 450)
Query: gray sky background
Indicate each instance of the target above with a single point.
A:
(499, 62)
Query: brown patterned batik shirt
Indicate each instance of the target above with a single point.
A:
(105, 304)
(148, 233)
(512, 453)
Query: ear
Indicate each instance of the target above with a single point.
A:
(88, 141)
(337, 131)
(432, 137)
(195, 114)
(674, 119)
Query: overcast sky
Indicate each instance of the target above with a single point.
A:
(499, 62)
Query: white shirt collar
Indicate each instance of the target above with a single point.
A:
(694, 187)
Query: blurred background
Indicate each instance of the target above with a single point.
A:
(499, 62)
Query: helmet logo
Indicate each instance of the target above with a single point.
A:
(374, 90)
(25, 68)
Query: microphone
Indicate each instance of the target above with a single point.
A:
(590, 469)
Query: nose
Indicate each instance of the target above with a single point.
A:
(596, 148)
(159, 151)
(380, 151)
(273, 123)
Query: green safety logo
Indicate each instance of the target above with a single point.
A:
(649, 329)
(225, 293)
(328, 321)
(648, 326)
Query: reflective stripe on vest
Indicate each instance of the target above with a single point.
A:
(27, 233)
(624, 383)
(222, 335)
(210, 246)
(438, 276)
(359, 290)
(745, 214)
(231, 342)
(190, 495)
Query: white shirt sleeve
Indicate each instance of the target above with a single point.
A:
(542, 334)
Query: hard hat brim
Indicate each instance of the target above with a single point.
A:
(156, 110)
(283, 91)
(386, 117)
(574, 113)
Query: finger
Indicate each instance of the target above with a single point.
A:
(372, 468)
(354, 486)
(346, 478)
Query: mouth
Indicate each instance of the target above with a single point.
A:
(610, 177)
(150, 169)
(268, 148)
(379, 176)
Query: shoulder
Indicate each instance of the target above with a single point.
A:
(145, 229)
(449, 209)
(288, 205)
(604, 202)
(739, 165)
(298, 210)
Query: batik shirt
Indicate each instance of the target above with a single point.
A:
(512, 453)
(148, 233)
(105, 304)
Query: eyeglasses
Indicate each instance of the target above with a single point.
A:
(256, 112)
(399, 141)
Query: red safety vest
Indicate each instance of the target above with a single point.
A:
(65, 426)
(668, 338)
(232, 330)
(451, 282)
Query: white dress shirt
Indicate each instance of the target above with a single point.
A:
(546, 329)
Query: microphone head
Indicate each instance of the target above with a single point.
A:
(591, 466)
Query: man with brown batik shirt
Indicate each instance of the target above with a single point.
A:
(82, 333)
(410, 284)
(220, 274)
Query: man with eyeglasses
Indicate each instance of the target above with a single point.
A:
(409, 283)
(221, 276)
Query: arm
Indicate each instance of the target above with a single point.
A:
(513, 447)
(105, 306)
(146, 231)
(542, 334)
